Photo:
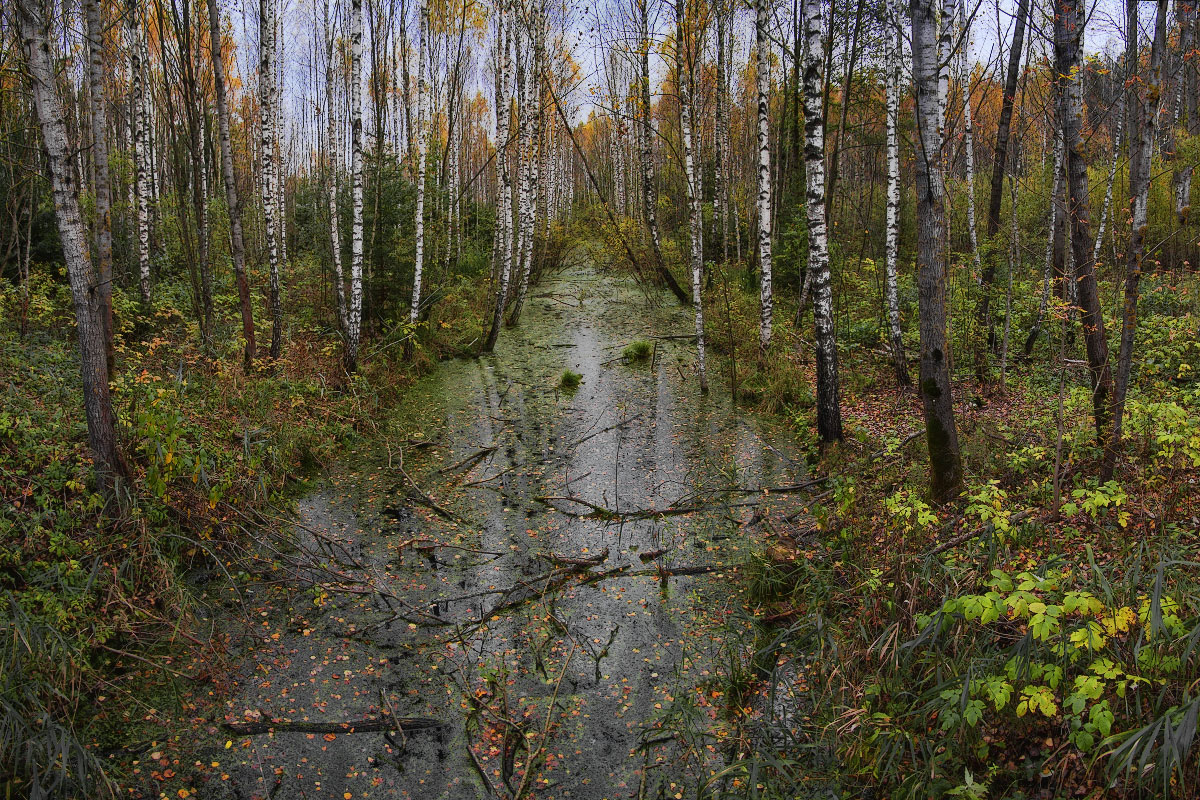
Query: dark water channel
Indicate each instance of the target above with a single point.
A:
(573, 637)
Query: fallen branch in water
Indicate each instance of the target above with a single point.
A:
(608, 514)
(267, 725)
(585, 561)
(470, 460)
(421, 496)
(614, 426)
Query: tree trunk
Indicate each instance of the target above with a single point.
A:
(504, 211)
(1181, 180)
(1108, 191)
(966, 61)
(237, 245)
(532, 155)
(1068, 42)
(683, 65)
(354, 314)
(335, 155)
(762, 19)
(141, 183)
(1141, 104)
(829, 414)
(103, 184)
(995, 195)
(895, 45)
(422, 141)
(89, 302)
(266, 102)
(941, 433)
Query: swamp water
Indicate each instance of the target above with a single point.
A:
(495, 563)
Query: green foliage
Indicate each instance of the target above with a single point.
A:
(569, 380)
(638, 350)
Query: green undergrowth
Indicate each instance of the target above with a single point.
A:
(1003, 645)
(94, 593)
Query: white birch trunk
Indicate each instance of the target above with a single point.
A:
(335, 155)
(829, 417)
(141, 182)
(532, 155)
(695, 221)
(1108, 191)
(766, 300)
(266, 77)
(945, 49)
(967, 61)
(504, 211)
(354, 315)
(895, 40)
(89, 304)
(422, 142)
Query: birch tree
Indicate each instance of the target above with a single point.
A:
(1141, 99)
(966, 65)
(941, 432)
(422, 142)
(504, 215)
(237, 247)
(354, 312)
(90, 328)
(829, 414)
(141, 181)
(684, 66)
(532, 145)
(334, 150)
(1185, 104)
(766, 300)
(266, 102)
(894, 39)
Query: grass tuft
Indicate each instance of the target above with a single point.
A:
(637, 350)
(570, 379)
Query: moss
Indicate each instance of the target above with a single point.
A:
(569, 380)
(637, 350)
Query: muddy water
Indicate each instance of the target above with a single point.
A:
(454, 602)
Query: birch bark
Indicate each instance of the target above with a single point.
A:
(266, 102)
(335, 146)
(683, 64)
(422, 143)
(895, 45)
(89, 308)
(504, 209)
(141, 183)
(354, 312)
(766, 300)
(829, 415)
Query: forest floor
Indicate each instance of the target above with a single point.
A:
(559, 570)
(550, 575)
